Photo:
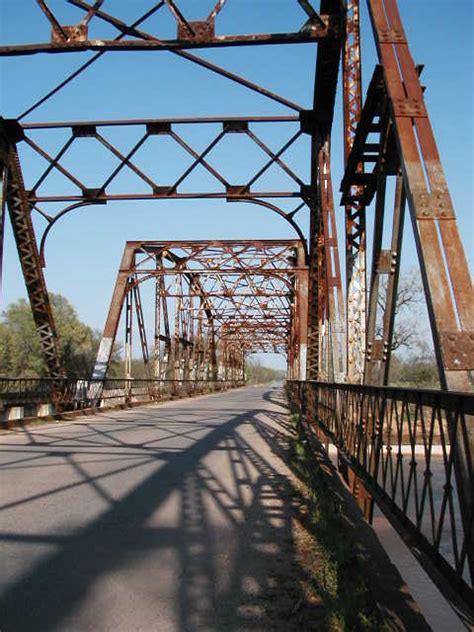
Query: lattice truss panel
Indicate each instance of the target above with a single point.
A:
(55, 167)
(183, 158)
(176, 25)
(214, 303)
(140, 151)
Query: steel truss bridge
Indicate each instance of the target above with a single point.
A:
(215, 302)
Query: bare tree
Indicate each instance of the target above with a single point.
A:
(409, 295)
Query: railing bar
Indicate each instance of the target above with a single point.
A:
(376, 429)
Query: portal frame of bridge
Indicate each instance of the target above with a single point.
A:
(216, 302)
(394, 109)
(344, 342)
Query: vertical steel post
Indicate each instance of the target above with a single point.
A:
(385, 265)
(313, 353)
(301, 317)
(141, 329)
(176, 344)
(128, 332)
(333, 302)
(3, 184)
(356, 291)
(318, 124)
(157, 339)
(167, 372)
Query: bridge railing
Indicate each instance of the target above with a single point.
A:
(28, 397)
(412, 450)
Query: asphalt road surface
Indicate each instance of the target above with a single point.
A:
(165, 517)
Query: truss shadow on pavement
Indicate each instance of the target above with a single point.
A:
(222, 558)
(202, 540)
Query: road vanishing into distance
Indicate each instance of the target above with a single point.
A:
(164, 517)
(171, 517)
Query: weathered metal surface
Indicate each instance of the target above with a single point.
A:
(20, 218)
(228, 298)
(356, 241)
(441, 256)
(215, 302)
(189, 33)
(402, 445)
(318, 196)
(395, 90)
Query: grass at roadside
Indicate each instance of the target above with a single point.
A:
(325, 540)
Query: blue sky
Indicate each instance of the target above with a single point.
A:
(84, 249)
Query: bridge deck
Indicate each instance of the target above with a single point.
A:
(169, 517)
(159, 518)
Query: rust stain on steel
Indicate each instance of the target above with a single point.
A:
(189, 33)
(235, 297)
(404, 149)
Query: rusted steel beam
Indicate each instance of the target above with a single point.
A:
(141, 329)
(93, 192)
(384, 285)
(444, 270)
(155, 122)
(3, 183)
(126, 29)
(230, 297)
(63, 36)
(327, 68)
(443, 265)
(332, 334)
(219, 41)
(189, 33)
(385, 261)
(92, 195)
(300, 315)
(111, 324)
(318, 125)
(157, 355)
(357, 187)
(128, 331)
(200, 245)
(394, 256)
(20, 216)
(355, 209)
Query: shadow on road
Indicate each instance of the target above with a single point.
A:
(233, 538)
(202, 539)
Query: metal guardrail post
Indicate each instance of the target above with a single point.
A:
(411, 451)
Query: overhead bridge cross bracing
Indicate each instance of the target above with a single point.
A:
(217, 301)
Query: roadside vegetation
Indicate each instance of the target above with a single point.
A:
(326, 543)
(257, 373)
(20, 350)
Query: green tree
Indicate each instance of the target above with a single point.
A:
(20, 350)
(417, 369)
(257, 373)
